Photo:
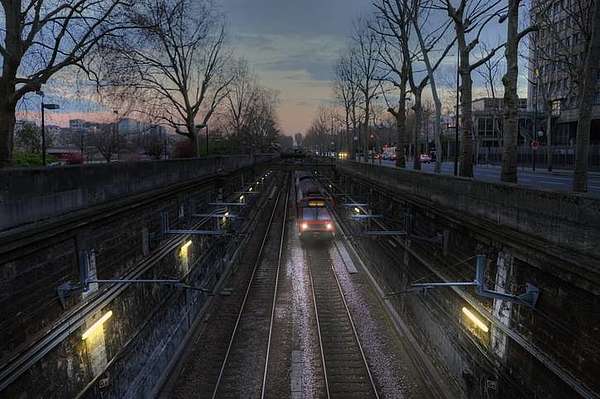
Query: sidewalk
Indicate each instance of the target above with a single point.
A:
(538, 169)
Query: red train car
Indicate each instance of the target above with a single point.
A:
(313, 215)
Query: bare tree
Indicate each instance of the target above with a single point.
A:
(401, 18)
(154, 144)
(241, 99)
(366, 46)
(346, 92)
(393, 28)
(42, 37)
(511, 98)
(28, 138)
(489, 72)
(107, 141)
(323, 129)
(249, 111)
(470, 18)
(427, 45)
(178, 66)
(262, 126)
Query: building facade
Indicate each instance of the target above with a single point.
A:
(556, 54)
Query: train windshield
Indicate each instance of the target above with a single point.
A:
(315, 214)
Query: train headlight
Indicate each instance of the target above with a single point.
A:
(329, 226)
(304, 226)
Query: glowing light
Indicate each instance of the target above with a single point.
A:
(250, 189)
(329, 226)
(183, 252)
(241, 198)
(356, 210)
(96, 325)
(304, 226)
(480, 324)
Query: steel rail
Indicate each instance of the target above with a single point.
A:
(279, 256)
(362, 352)
(323, 363)
(247, 292)
(350, 319)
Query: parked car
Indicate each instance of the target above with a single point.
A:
(425, 158)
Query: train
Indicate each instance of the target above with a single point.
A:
(314, 205)
(295, 153)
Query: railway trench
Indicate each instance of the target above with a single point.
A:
(330, 336)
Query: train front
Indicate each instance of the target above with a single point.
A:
(314, 218)
(315, 222)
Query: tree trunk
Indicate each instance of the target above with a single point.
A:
(400, 130)
(586, 103)
(7, 126)
(466, 94)
(549, 152)
(418, 108)
(511, 99)
(366, 128)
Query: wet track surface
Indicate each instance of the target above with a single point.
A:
(211, 367)
(346, 370)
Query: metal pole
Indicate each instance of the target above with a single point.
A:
(43, 136)
(456, 149)
(197, 136)
(535, 106)
(206, 139)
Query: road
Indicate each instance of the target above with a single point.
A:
(557, 180)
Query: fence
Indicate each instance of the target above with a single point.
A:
(563, 156)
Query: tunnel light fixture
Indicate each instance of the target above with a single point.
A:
(90, 331)
(183, 252)
(329, 226)
(304, 226)
(480, 324)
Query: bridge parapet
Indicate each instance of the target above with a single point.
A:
(33, 194)
(567, 219)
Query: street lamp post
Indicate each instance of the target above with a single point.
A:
(115, 139)
(206, 139)
(198, 138)
(457, 107)
(535, 109)
(43, 107)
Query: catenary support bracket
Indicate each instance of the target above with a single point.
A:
(528, 298)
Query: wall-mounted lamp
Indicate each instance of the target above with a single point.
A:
(98, 324)
(471, 316)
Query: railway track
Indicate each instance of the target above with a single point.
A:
(346, 371)
(244, 368)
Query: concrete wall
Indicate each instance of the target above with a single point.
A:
(148, 321)
(566, 219)
(33, 194)
(550, 351)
